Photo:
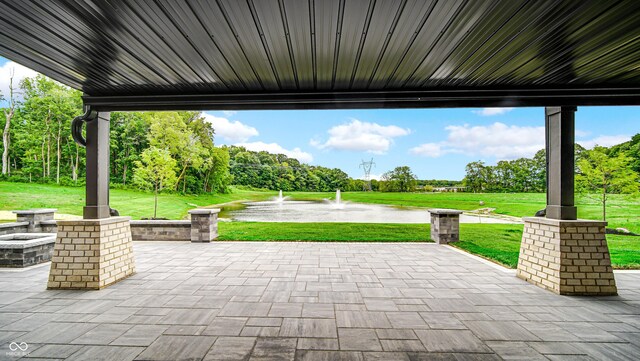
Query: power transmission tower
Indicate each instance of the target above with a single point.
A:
(366, 166)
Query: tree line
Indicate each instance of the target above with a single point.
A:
(279, 172)
(154, 151)
(600, 172)
(38, 147)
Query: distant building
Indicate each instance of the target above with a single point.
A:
(449, 189)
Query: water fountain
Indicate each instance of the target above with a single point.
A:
(338, 204)
(280, 198)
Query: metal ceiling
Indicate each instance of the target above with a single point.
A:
(281, 54)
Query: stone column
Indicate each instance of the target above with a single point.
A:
(445, 225)
(568, 257)
(97, 188)
(96, 251)
(34, 217)
(559, 252)
(91, 254)
(204, 224)
(560, 149)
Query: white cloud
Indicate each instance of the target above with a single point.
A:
(431, 150)
(497, 140)
(276, 148)
(501, 141)
(604, 141)
(19, 72)
(233, 131)
(361, 136)
(487, 112)
(229, 113)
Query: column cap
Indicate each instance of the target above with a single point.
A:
(35, 211)
(444, 211)
(200, 211)
(93, 222)
(565, 222)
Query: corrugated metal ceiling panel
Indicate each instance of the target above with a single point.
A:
(156, 47)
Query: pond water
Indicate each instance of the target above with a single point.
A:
(305, 211)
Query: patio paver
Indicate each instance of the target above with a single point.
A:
(313, 301)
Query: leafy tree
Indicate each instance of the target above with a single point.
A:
(400, 179)
(44, 118)
(9, 112)
(128, 141)
(631, 149)
(606, 175)
(155, 171)
(216, 170)
(475, 180)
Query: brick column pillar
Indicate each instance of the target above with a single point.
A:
(34, 217)
(91, 253)
(445, 225)
(204, 224)
(568, 257)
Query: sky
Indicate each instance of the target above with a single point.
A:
(435, 143)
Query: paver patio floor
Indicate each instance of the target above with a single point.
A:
(313, 301)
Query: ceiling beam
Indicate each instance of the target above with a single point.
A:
(453, 98)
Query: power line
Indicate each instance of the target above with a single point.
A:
(366, 166)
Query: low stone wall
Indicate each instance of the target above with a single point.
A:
(161, 230)
(34, 217)
(203, 226)
(13, 227)
(25, 249)
(49, 226)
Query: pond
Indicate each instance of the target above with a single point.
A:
(330, 211)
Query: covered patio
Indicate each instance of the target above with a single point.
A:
(329, 301)
(315, 301)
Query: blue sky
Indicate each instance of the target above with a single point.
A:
(435, 143)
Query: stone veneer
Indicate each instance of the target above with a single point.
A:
(160, 230)
(204, 224)
(445, 225)
(34, 217)
(568, 257)
(25, 249)
(91, 253)
(14, 227)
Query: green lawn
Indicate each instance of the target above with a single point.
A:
(340, 232)
(501, 243)
(498, 242)
(132, 203)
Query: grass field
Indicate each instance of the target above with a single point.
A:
(498, 242)
(132, 203)
(338, 232)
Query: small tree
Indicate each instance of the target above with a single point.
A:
(605, 175)
(155, 170)
(401, 179)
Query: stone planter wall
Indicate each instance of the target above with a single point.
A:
(13, 227)
(161, 230)
(203, 226)
(25, 249)
(34, 217)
